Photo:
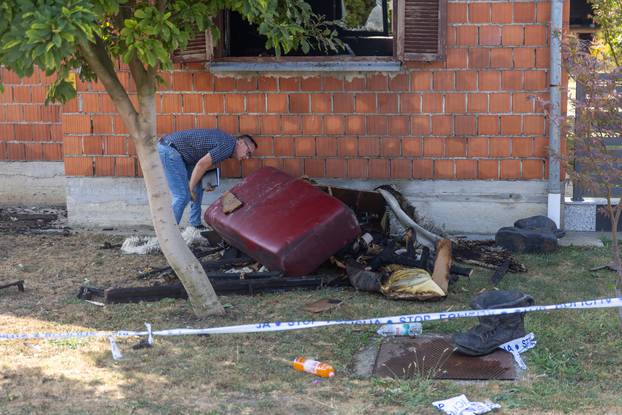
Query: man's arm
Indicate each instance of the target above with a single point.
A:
(200, 168)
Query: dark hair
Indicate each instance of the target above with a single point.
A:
(249, 137)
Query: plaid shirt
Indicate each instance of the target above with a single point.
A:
(196, 143)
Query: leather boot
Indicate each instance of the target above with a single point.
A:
(493, 331)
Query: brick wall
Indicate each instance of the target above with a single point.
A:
(29, 130)
(469, 117)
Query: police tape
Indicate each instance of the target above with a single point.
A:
(265, 327)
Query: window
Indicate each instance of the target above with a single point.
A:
(402, 29)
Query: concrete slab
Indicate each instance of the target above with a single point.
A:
(32, 183)
(585, 239)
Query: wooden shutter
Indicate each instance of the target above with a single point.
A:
(203, 48)
(421, 29)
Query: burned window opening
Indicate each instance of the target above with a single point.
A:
(364, 26)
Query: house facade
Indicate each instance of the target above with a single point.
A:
(451, 121)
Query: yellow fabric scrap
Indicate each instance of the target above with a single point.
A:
(411, 284)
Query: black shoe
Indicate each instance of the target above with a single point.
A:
(200, 227)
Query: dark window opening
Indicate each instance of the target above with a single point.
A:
(364, 26)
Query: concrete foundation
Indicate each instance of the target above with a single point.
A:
(455, 206)
(33, 183)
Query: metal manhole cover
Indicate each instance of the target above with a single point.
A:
(434, 356)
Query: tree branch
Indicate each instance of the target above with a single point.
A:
(99, 61)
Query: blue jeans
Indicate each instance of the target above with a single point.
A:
(178, 176)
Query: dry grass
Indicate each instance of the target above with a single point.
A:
(575, 368)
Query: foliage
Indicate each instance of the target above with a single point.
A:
(52, 34)
(358, 12)
(606, 13)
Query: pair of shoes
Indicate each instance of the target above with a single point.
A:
(200, 227)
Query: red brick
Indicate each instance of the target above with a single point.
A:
(348, 146)
(413, 146)
(510, 124)
(41, 132)
(334, 124)
(443, 169)
(500, 102)
(115, 145)
(331, 83)
(358, 168)
(377, 124)
(7, 95)
(131, 148)
(386, 102)
(267, 83)
(93, 145)
(478, 102)
(7, 132)
(312, 124)
(422, 169)
(399, 82)
(343, 102)
(355, 124)
(299, 103)
(466, 80)
(522, 147)
(326, 146)
(265, 147)
(13, 113)
(320, 103)
(186, 122)
(164, 124)
(224, 83)
(533, 169)
(543, 12)
(466, 169)
(24, 132)
(231, 168)
(335, 168)
(488, 169)
(535, 80)
(500, 147)
(271, 124)
(489, 35)
(501, 12)
(171, 103)
(455, 103)
(390, 146)
(234, 103)
(401, 168)
(21, 94)
(270, 162)
(248, 83)
(33, 151)
(524, 12)
(488, 125)
(52, 151)
(90, 102)
(512, 80)
(76, 124)
(249, 124)
(524, 58)
(443, 81)
(255, 103)
(513, 35)
(125, 166)
(378, 169)
(194, 103)
(15, 151)
(456, 12)
(477, 147)
(534, 124)
(305, 146)
(72, 145)
(464, 125)
(457, 58)
(78, 166)
(203, 81)
(541, 147)
(432, 102)
(542, 57)
(182, 81)
(466, 35)
(399, 125)
(479, 12)
(536, 35)
(377, 82)
(355, 84)
(102, 124)
(442, 124)
(365, 102)
(369, 146)
(312, 83)
(433, 147)
(291, 124)
(315, 167)
(456, 147)
(410, 103)
(250, 166)
(420, 125)
(277, 103)
(510, 169)
(501, 58)
(283, 146)
(479, 58)
(104, 166)
(421, 81)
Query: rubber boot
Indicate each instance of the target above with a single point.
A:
(493, 331)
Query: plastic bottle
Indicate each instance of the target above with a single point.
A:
(404, 329)
(320, 369)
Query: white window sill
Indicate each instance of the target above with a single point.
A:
(343, 66)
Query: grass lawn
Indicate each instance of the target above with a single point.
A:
(576, 366)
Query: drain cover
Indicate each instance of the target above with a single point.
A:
(434, 356)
